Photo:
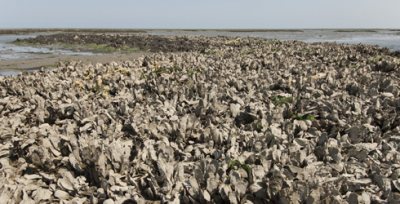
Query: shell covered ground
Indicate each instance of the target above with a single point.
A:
(234, 120)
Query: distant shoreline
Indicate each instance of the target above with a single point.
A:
(18, 31)
(117, 48)
(106, 48)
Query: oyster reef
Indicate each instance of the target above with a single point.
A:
(207, 120)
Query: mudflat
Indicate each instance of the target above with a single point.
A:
(51, 61)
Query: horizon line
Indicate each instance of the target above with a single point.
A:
(160, 28)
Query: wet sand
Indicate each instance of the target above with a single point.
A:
(48, 61)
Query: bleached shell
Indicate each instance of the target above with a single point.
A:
(42, 195)
(62, 195)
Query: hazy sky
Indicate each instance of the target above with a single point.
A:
(200, 13)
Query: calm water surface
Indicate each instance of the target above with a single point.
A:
(9, 51)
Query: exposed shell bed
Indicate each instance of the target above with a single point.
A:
(143, 42)
(237, 120)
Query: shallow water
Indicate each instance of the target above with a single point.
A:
(14, 72)
(9, 72)
(383, 38)
(9, 51)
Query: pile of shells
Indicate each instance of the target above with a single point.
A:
(144, 42)
(243, 121)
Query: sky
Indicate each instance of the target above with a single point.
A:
(268, 14)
